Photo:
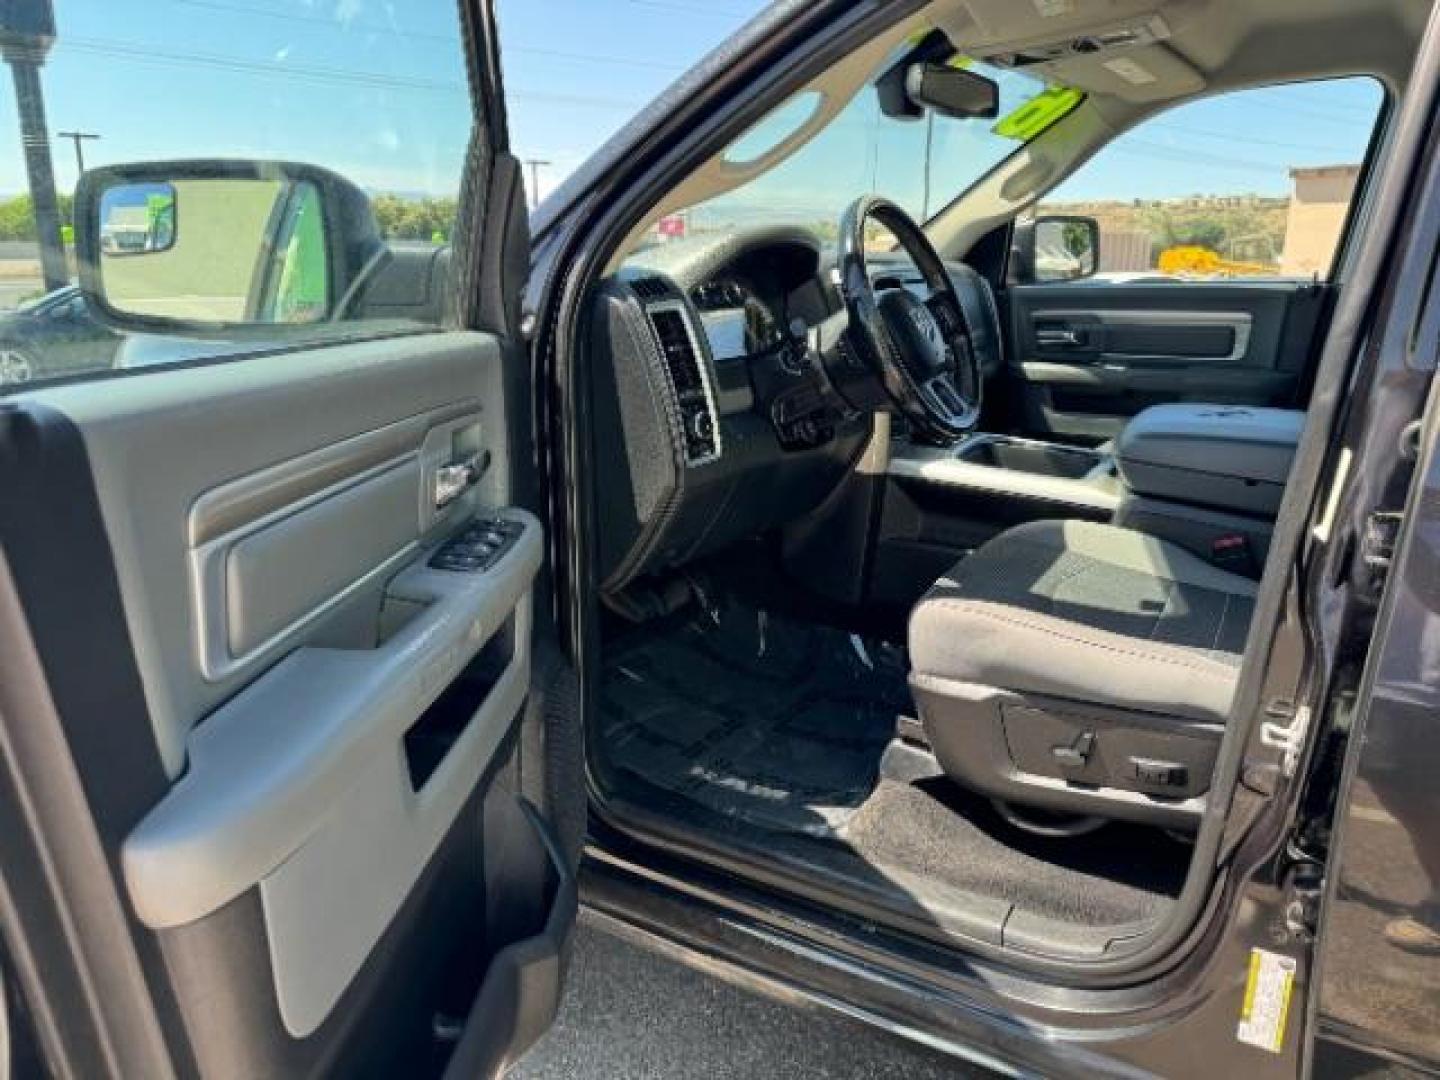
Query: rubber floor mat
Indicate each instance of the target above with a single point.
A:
(773, 723)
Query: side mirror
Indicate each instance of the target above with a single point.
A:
(1055, 247)
(222, 245)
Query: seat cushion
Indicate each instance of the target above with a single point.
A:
(1088, 612)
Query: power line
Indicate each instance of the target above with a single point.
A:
(691, 9)
(1160, 152)
(314, 74)
(1305, 96)
(420, 35)
(320, 20)
(1251, 140)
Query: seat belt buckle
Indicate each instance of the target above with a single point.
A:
(1231, 551)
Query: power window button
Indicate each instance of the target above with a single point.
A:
(477, 546)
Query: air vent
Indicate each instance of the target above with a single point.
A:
(649, 288)
(689, 380)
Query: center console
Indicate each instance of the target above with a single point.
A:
(1233, 458)
(943, 502)
(1206, 477)
(1051, 479)
(1032, 457)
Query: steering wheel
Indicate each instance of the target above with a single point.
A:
(919, 347)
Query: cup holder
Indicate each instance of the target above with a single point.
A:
(1024, 455)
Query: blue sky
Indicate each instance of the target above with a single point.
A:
(376, 90)
(373, 88)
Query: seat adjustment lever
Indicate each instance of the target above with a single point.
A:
(1077, 754)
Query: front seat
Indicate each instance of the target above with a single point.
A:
(1081, 668)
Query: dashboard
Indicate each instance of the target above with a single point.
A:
(713, 420)
(738, 321)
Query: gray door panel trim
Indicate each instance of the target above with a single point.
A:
(287, 571)
(258, 587)
(240, 502)
(238, 419)
(1238, 321)
(268, 768)
(1118, 377)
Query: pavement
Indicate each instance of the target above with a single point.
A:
(1373, 986)
(631, 1012)
(13, 292)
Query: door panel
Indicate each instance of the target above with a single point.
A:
(271, 596)
(334, 719)
(180, 454)
(1089, 355)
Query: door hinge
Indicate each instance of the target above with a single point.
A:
(1304, 885)
(1377, 545)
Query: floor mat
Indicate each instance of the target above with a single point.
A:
(780, 736)
(770, 722)
(953, 838)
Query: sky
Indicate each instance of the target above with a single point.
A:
(376, 89)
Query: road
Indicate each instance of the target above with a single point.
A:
(629, 1012)
(14, 291)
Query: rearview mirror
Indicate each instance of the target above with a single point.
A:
(931, 76)
(951, 91)
(221, 244)
(1055, 247)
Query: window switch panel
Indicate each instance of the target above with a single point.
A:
(478, 546)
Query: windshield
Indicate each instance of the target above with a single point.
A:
(921, 164)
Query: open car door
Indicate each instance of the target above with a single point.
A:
(273, 642)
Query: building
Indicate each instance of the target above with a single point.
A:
(1319, 203)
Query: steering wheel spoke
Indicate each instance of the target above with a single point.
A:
(946, 395)
(946, 311)
(917, 347)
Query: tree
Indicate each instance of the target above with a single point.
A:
(414, 219)
(17, 217)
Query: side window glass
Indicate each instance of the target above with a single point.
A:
(271, 175)
(1250, 184)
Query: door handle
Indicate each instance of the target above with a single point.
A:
(1059, 338)
(451, 480)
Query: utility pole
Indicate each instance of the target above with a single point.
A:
(534, 165)
(27, 30)
(929, 144)
(76, 137)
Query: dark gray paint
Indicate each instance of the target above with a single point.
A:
(1376, 997)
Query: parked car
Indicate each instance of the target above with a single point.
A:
(52, 336)
(861, 603)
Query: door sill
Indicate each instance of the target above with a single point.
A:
(684, 858)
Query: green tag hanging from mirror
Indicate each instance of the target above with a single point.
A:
(1037, 114)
